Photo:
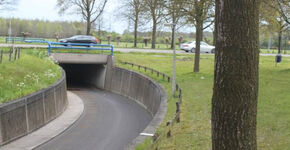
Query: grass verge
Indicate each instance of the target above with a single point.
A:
(194, 131)
(25, 76)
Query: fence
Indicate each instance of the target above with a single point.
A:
(80, 46)
(13, 54)
(22, 39)
(176, 118)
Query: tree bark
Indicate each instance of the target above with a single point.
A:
(199, 29)
(173, 37)
(279, 41)
(88, 25)
(154, 34)
(235, 94)
(135, 31)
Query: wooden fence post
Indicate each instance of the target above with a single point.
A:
(1, 56)
(19, 50)
(15, 53)
(10, 53)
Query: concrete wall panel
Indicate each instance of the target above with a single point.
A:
(13, 120)
(141, 89)
(49, 105)
(22, 116)
(35, 111)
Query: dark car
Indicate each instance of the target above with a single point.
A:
(83, 39)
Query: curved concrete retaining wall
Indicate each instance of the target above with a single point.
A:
(143, 90)
(22, 116)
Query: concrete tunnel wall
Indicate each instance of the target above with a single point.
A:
(130, 84)
(85, 74)
(26, 114)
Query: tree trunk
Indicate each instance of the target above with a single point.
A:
(197, 44)
(88, 25)
(173, 37)
(154, 34)
(234, 102)
(135, 31)
(279, 41)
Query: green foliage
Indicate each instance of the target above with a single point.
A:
(41, 28)
(194, 131)
(25, 76)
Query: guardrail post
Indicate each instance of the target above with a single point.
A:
(112, 50)
(49, 48)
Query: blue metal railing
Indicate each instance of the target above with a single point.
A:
(22, 39)
(80, 46)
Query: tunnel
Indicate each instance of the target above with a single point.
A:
(85, 75)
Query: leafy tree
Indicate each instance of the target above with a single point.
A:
(90, 10)
(156, 10)
(235, 94)
(199, 12)
(174, 14)
(274, 16)
(134, 10)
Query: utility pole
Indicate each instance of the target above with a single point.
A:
(172, 25)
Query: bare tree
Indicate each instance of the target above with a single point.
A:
(198, 12)
(235, 94)
(133, 10)
(90, 10)
(156, 9)
(7, 4)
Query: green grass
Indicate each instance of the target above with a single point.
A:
(194, 131)
(25, 76)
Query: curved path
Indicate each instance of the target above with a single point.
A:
(109, 122)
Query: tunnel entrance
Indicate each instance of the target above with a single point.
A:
(85, 75)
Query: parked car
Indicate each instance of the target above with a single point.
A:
(190, 47)
(84, 39)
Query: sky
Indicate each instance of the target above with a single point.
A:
(47, 10)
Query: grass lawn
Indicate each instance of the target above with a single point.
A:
(26, 75)
(194, 131)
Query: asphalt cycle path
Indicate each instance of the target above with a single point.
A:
(109, 122)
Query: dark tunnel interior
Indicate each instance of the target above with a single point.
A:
(84, 75)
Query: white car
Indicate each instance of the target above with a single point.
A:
(190, 47)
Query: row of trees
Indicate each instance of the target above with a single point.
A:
(39, 28)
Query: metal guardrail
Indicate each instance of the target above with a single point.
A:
(175, 119)
(80, 46)
(22, 39)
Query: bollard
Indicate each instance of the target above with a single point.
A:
(145, 68)
(168, 78)
(177, 87)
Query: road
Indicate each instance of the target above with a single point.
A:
(109, 122)
(126, 50)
